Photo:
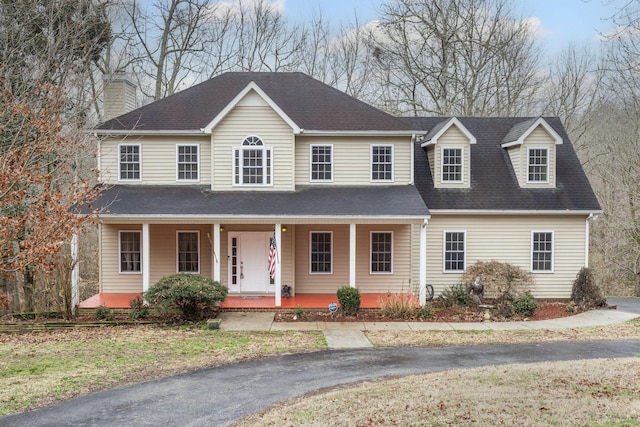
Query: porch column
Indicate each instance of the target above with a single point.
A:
(278, 278)
(146, 255)
(75, 276)
(352, 255)
(215, 232)
(423, 263)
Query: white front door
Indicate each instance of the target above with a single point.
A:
(248, 262)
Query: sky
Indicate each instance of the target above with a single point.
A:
(560, 21)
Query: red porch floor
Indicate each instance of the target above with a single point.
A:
(235, 302)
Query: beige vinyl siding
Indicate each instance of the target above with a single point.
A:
(508, 239)
(163, 257)
(158, 159)
(112, 281)
(261, 121)
(452, 138)
(398, 281)
(352, 159)
(515, 154)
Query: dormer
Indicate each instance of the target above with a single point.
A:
(531, 145)
(449, 151)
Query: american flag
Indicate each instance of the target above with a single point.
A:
(271, 261)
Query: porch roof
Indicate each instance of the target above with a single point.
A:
(402, 201)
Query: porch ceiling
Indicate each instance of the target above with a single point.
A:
(399, 202)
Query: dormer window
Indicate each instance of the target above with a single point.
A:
(538, 165)
(252, 163)
(452, 165)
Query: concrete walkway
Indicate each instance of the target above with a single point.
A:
(341, 335)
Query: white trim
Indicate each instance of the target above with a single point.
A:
(99, 157)
(371, 233)
(444, 251)
(311, 253)
(128, 132)
(267, 219)
(125, 144)
(146, 257)
(540, 122)
(308, 132)
(423, 264)
(553, 252)
(177, 162)
(267, 173)
(231, 105)
(462, 169)
(510, 212)
(352, 255)
(453, 121)
(217, 259)
(587, 237)
(529, 164)
(311, 147)
(278, 279)
(393, 163)
(178, 232)
(120, 252)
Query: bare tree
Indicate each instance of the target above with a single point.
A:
(464, 57)
(614, 151)
(573, 89)
(170, 43)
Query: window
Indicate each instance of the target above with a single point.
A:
(542, 251)
(252, 163)
(321, 163)
(321, 252)
(188, 165)
(381, 252)
(452, 165)
(454, 251)
(381, 162)
(538, 164)
(188, 252)
(130, 253)
(129, 163)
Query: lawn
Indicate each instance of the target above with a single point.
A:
(39, 369)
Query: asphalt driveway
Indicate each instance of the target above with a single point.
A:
(218, 396)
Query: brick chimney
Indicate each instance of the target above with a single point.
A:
(119, 95)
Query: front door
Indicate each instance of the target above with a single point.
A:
(248, 262)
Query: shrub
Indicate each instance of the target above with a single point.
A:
(138, 309)
(195, 296)
(349, 299)
(104, 313)
(524, 305)
(585, 293)
(455, 295)
(299, 313)
(400, 306)
(425, 312)
(570, 307)
(501, 280)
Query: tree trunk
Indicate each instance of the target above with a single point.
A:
(28, 286)
(636, 290)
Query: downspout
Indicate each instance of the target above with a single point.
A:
(586, 238)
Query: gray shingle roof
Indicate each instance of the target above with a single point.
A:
(494, 185)
(364, 201)
(311, 104)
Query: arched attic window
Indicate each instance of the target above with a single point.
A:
(252, 162)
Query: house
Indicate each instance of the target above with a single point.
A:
(205, 180)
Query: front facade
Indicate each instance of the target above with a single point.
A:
(260, 180)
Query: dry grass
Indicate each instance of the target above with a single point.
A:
(39, 369)
(594, 392)
(623, 331)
